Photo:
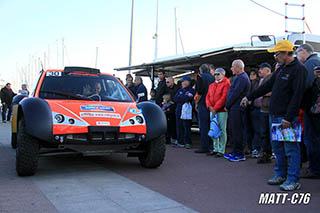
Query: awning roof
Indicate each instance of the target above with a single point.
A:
(252, 54)
(220, 57)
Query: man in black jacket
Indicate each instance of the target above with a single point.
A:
(6, 100)
(172, 90)
(287, 85)
(204, 79)
(161, 90)
(130, 85)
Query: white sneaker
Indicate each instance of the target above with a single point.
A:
(255, 153)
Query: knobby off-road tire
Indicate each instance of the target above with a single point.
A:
(14, 140)
(156, 150)
(27, 152)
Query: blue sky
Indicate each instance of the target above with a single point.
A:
(31, 29)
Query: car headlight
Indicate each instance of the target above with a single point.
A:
(59, 118)
(139, 119)
(71, 121)
(131, 121)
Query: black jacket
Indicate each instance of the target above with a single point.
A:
(287, 85)
(310, 98)
(311, 95)
(7, 95)
(172, 91)
(202, 86)
(161, 90)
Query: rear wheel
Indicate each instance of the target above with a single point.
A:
(27, 152)
(14, 140)
(155, 152)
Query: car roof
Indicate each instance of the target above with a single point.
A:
(60, 70)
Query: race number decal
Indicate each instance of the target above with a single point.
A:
(54, 74)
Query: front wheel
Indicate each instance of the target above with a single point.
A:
(14, 140)
(27, 152)
(155, 152)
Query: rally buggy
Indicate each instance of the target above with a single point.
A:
(79, 110)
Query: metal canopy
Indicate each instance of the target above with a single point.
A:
(220, 57)
(252, 54)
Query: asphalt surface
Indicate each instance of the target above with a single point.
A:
(185, 182)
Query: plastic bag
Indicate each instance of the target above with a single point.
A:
(292, 134)
(186, 112)
(215, 131)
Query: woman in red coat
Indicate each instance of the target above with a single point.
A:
(216, 100)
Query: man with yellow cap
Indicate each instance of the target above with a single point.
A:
(287, 85)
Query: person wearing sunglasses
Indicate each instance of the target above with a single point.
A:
(172, 90)
(216, 101)
(287, 85)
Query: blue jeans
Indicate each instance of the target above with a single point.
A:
(286, 153)
(5, 108)
(204, 123)
(265, 133)
(255, 117)
(312, 142)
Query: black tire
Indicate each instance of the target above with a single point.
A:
(14, 140)
(155, 154)
(27, 152)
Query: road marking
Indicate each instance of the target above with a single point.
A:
(82, 186)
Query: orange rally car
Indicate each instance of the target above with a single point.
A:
(79, 110)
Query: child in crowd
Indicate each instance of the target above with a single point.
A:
(153, 94)
(168, 108)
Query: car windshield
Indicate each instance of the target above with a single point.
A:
(80, 86)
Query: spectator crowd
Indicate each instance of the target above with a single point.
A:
(246, 111)
(250, 110)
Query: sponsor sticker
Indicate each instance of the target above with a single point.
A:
(135, 111)
(97, 108)
(103, 123)
(100, 115)
(54, 74)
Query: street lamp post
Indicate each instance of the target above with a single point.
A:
(131, 31)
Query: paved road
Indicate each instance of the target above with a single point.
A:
(186, 182)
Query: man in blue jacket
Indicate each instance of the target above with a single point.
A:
(310, 60)
(287, 85)
(239, 89)
(184, 95)
(141, 90)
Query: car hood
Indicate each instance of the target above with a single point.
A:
(95, 113)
